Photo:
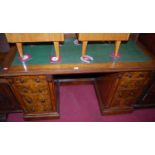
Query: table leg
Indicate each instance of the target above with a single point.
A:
(84, 46)
(117, 46)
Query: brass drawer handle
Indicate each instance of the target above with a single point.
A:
(43, 101)
(37, 80)
(25, 90)
(129, 75)
(21, 81)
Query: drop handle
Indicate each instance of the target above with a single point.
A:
(25, 90)
(21, 81)
(37, 80)
(43, 101)
(129, 75)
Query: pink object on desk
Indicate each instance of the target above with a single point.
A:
(25, 58)
(115, 56)
(54, 59)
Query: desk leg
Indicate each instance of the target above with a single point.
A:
(84, 46)
(57, 49)
(20, 49)
(117, 46)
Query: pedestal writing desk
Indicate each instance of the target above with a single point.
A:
(119, 82)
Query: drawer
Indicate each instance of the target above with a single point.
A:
(34, 89)
(127, 93)
(135, 75)
(32, 84)
(30, 80)
(131, 84)
(125, 98)
(35, 94)
(36, 103)
(123, 102)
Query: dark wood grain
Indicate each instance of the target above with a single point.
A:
(36, 95)
(118, 92)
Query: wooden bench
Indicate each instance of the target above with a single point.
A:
(20, 38)
(117, 37)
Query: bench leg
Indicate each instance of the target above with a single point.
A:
(20, 49)
(22, 57)
(117, 46)
(57, 49)
(84, 46)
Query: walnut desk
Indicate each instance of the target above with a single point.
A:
(34, 85)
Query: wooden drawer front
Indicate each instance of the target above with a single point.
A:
(124, 98)
(129, 88)
(33, 89)
(133, 80)
(30, 80)
(135, 76)
(131, 84)
(36, 103)
(35, 93)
